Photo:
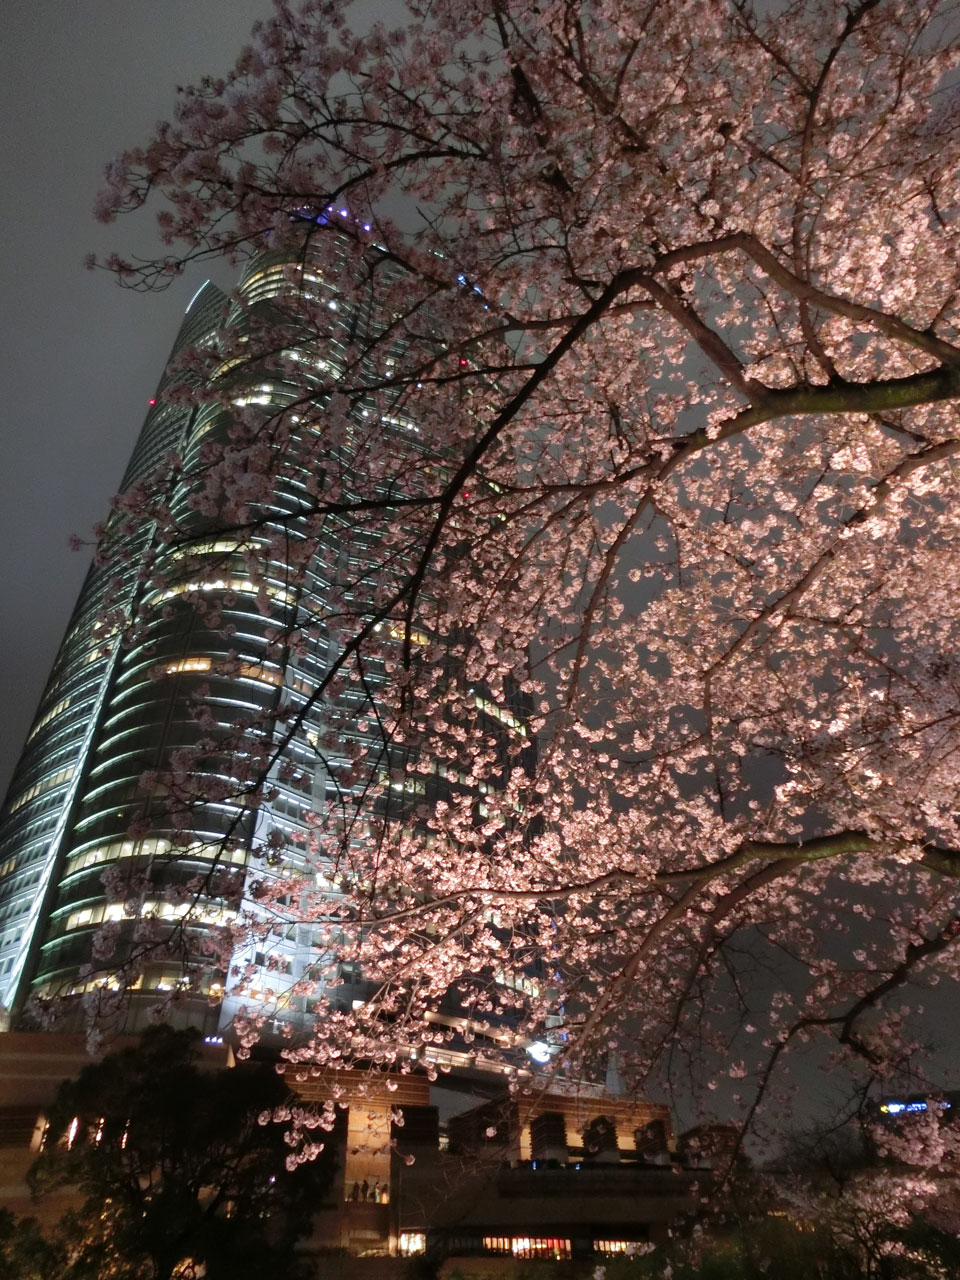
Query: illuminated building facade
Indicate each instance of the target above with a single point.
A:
(581, 1175)
(65, 741)
(208, 604)
(571, 1172)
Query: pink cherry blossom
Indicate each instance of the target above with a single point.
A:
(667, 307)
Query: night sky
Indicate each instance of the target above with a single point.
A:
(79, 81)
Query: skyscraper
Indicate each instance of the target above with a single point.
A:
(184, 698)
(55, 765)
(191, 742)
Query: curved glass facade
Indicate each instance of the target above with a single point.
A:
(35, 824)
(130, 826)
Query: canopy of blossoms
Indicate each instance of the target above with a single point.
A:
(670, 292)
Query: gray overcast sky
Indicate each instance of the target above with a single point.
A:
(79, 357)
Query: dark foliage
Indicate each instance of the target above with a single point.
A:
(25, 1253)
(176, 1168)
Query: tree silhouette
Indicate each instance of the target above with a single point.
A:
(178, 1171)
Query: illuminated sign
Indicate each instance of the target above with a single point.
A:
(904, 1108)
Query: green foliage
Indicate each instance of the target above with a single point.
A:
(175, 1166)
(25, 1254)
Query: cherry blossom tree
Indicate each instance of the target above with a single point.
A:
(670, 293)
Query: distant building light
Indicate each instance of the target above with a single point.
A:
(539, 1051)
(535, 1247)
(412, 1242)
(898, 1108)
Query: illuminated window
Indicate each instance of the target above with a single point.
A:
(614, 1246)
(457, 775)
(154, 846)
(498, 713)
(227, 366)
(72, 1131)
(416, 637)
(39, 1138)
(51, 715)
(242, 586)
(186, 664)
(497, 1244)
(528, 1246)
(222, 546)
(405, 423)
(248, 670)
(408, 786)
(517, 982)
(540, 1247)
(266, 390)
(45, 784)
(210, 913)
(175, 981)
(263, 674)
(85, 916)
(100, 641)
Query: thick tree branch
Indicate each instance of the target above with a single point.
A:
(891, 326)
(840, 844)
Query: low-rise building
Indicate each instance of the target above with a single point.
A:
(458, 1167)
